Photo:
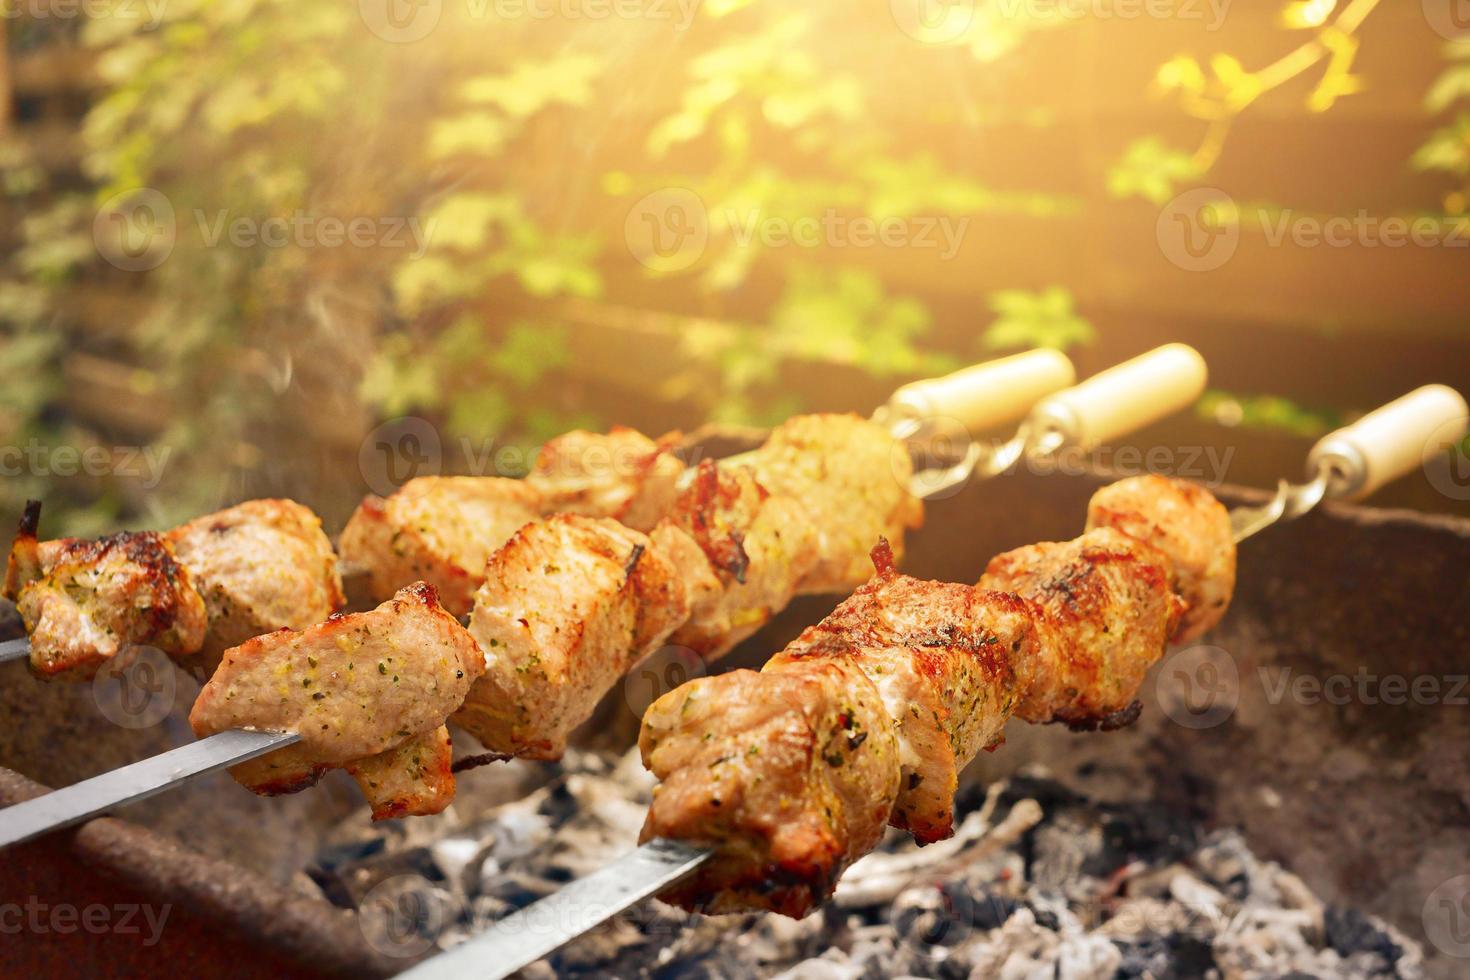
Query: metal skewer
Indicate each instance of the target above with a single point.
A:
(1121, 399)
(67, 807)
(1349, 464)
(15, 649)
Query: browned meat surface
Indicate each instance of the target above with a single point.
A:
(1187, 524)
(355, 686)
(413, 779)
(852, 478)
(789, 774)
(951, 663)
(568, 605)
(752, 550)
(83, 601)
(925, 674)
(260, 566)
(1108, 612)
(437, 529)
(623, 475)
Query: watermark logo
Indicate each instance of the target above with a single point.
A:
(1446, 917)
(397, 451)
(1449, 18)
(1198, 687)
(401, 21)
(1447, 459)
(941, 918)
(403, 916)
(148, 13)
(123, 919)
(135, 688)
(933, 21)
(145, 464)
(1200, 230)
(135, 230)
(659, 673)
(938, 461)
(1194, 232)
(668, 230)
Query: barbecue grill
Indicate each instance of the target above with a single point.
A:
(1364, 802)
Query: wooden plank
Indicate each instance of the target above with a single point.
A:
(57, 70)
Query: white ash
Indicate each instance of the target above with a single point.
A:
(1038, 882)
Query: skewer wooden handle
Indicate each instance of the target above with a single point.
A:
(987, 395)
(1128, 397)
(1392, 441)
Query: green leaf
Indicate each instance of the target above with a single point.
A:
(1044, 319)
(1151, 170)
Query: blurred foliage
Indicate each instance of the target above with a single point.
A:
(1448, 148)
(496, 160)
(1268, 412)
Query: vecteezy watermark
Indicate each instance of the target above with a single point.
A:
(409, 447)
(302, 230)
(138, 230)
(659, 673)
(397, 451)
(1206, 465)
(123, 919)
(135, 230)
(950, 21)
(1446, 917)
(1447, 460)
(407, 21)
(403, 916)
(136, 688)
(143, 463)
(1365, 687)
(1196, 231)
(669, 230)
(146, 12)
(1200, 230)
(1449, 18)
(1198, 687)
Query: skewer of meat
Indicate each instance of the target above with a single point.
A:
(773, 782)
(595, 607)
(266, 564)
(1010, 387)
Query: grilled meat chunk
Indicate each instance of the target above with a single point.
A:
(1107, 614)
(568, 606)
(926, 672)
(623, 475)
(438, 529)
(950, 662)
(260, 566)
(752, 550)
(789, 774)
(355, 686)
(413, 779)
(1187, 524)
(83, 601)
(853, 480)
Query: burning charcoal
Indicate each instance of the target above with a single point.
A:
(1147, 832)
(1226, 862)
(1038, 881)
(597, 948)
(457, 859)
(1176, 957)
(345, 881)
(1061, 848)
(1349, 931)
(517, 889)
(1087, 958)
